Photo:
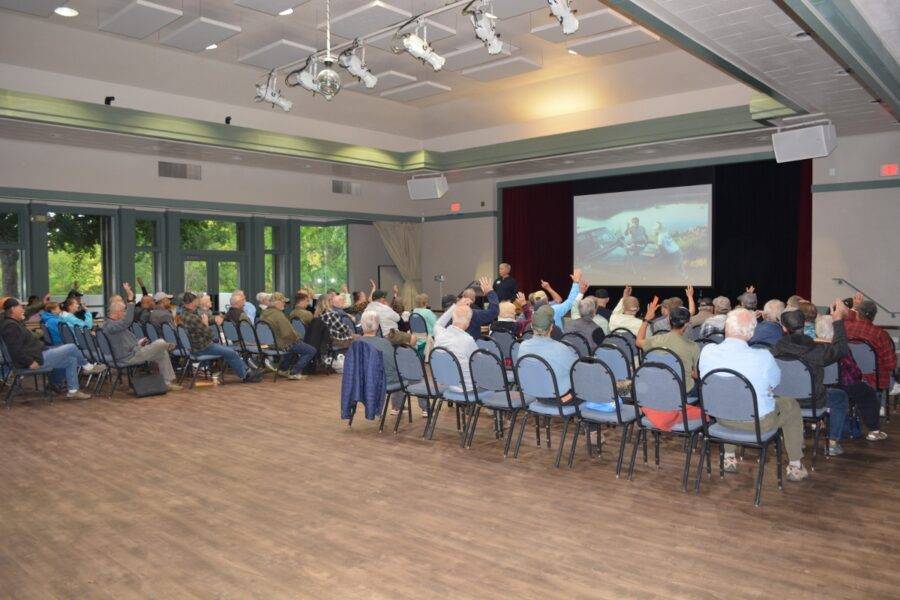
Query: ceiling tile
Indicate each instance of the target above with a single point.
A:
(277, 54)
(386, 81)
(474, 53)
(499, 69)
(613, 41)
(511, 8)
(196, 35)
(415, 91)
(41, 8)
(590, 23)
(140, 18)
(365, 19)
(272, 7)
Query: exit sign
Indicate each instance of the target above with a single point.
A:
(889, 170)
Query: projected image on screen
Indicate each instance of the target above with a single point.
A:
(653, 237)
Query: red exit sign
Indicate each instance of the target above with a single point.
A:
(889, 170)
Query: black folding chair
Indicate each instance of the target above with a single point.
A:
(493, 390)
(14, 376)
(578, 342)
(797, 383)
(538, 381)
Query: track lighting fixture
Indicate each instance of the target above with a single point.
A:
(357, 66)
(483, 22)
(268, 92)
(565, 15)
(418, 47)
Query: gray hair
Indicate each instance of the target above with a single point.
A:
(462, 315)
(740, 323)
(587, 308)
(825, 327)
(772, 310)
(239, 294)
(263, 298)
(115, 306)
(370, 321)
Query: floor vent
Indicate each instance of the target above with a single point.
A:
(179, 170)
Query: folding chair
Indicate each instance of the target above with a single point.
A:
(179, 352)
(66, 335)
(594, 389)
(504, 341)
(413, 383)
(268, 346)
(658, 387)
(538, 381)
(867, 361)
(492, 387)
(448, 375)
(797, 383)
(417, 324)
(137, 330)
(622, 343)
(664, 356)
(298, 326)
(14, 376)
(195, 362)
(152, 332)
(629, 337)
(616, 358)
(578, 342)
(726, 394)
(488, 344)
(113, 363)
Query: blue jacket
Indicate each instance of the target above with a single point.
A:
(363, 381)
(767, 332)
(484, 316)
(51, 322)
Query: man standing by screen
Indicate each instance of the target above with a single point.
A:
(505, 286)
(668, 248)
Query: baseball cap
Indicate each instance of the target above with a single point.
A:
(543, 318)
(721, 304)
(748, 300)
(161, 295)
(705, 301)
(10, 303)
(277, 297)
(601, 293)
(378, 295)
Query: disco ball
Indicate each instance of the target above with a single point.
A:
(328, 82)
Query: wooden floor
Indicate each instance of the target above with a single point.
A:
(262, 492)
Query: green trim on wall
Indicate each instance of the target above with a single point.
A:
(847, 35)
(852, 186)
(637, 13)
(97, 117)
(764, 107)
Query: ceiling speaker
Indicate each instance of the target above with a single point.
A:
(808, 142)
(427, 188)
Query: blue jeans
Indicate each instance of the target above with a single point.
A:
(232, 358)
(838, 407)
(65, 361)
(299, 354)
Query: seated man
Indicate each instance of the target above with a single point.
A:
(716, 323)
(482, 316)
(688, 352)
(585, 325)
(860, 326)
(387, 316)
(558, 355)
(162, 313)
(506, 320)
(796, 343)
(661, 323)
(27, 351)
(861, 394)
(455, 337)
(201, 340)
(704, 311)
(237, 309)
(301, 309)
(769, 331)
(369, 324)
(623, 315)
(761, 370)
(341, 333)
(127, 348)
(262, 300)
(748, 299)
(299, 353)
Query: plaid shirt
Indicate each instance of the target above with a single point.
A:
(199, 334)
(863, 329)
(336, 328)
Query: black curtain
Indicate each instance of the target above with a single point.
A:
(761, 213)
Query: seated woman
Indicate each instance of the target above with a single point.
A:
(70, 307)
(341, 336)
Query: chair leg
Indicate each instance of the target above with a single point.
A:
(815, 445)
(409, 409)
(352, 414)
(578, 427)
(644, 437)
(547, 430)
(434, 417)
(521, 434)
(641, 435)
(759, 474)
(430, 404)
(562, 440)
(473, 423)
(687, 462)
(510, 430)
(655, 449)
(722, 460)
(400, 414)
(384, 412)
(589, 445)
(537, 430)
(778, 446)
(626, 433)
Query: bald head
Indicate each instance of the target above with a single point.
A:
(630, 305)
(462, 316)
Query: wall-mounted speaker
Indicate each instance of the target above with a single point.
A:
(427, 188)
(803, 143)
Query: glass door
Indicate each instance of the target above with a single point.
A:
(218, 277)
(196, 276)
(228, 279)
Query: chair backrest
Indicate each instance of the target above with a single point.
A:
(716, 337)
(417, 323)
(248, 334)
(578, 342)
(489, 345)
(796, 378)
(105, 348)
(45, 335)
(593, 381)
(137, 329)
(66, 334)
(536, 378)
(231, 332)
(298, 326)
(865, 357)
(761, 345)
(628, 335)
(264, 334)
(615, 358)
(658, 387)
(617, 340)
(446, 368)
(85, 346)
(504, 341)
(4, 352)
(184, 340)
(409, 364)
(831, 374)
(216, 332)
(693, 333)
(93, 342)
(666, 357)
(152, 332)
(168, 333)
(489, 374)
(726, 394)
(514, 350)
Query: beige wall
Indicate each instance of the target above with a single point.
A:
(367, 251)
(461, 250)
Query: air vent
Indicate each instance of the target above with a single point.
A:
(179, 170)
(340, 186)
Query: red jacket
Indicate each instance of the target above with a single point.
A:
(858, 328)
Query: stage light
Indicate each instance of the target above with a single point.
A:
(419, 48)
(564, 14)
(212, 46)
(357, 67)
(485, 30)
(306, 77)
(286, 12)
(269, 93)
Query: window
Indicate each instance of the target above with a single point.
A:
(75, 255)
(211, 235)
(10, 263)
(323, 257)
(145, 255)
(271, 259)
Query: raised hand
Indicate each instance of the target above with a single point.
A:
(857, 299)
(545, 285)
(576, 275)
(689, 291)
(583, 287)
(627, 291)
(374, 287)
(750, 289)
(344, 288)
(838, 310)
(520, 299)
(486, 285)
(396, 290)
(651, 308)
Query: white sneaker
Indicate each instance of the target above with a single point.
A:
(93, 368)
(876, 436)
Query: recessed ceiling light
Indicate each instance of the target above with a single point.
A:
(802, 36)
(647, 151)
(568, 162)
(489, 172)
(212, 46)
(235, 157)
(286, 12)
(574, 53)
(66, 11)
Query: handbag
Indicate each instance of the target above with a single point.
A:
(149, 384)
